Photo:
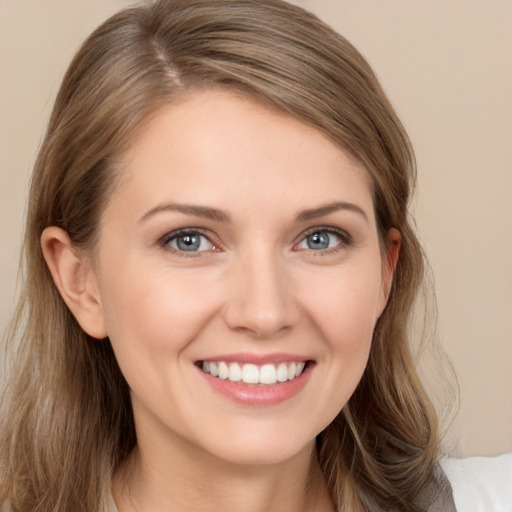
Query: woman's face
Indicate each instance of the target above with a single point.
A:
(239, 244)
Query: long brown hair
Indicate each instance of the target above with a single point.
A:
(66, 421)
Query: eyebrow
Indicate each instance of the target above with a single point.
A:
(221, 216)
(189, 209)
(326, 209)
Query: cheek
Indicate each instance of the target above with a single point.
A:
(345, 314)
(155, 310)
(345, 306)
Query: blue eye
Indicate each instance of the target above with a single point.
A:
(321, 240)
(190, 241)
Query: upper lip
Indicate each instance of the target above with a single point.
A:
(258, 359)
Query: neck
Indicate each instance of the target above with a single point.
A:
(149, 481)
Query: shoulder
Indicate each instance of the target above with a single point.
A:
(481, 484)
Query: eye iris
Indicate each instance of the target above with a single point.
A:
(318, 241)
(188, 242)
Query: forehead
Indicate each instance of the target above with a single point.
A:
(217, 147)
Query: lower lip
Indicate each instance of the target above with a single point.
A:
(257, 395)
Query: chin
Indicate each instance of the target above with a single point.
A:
(260, 448)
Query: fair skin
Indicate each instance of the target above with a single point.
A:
(236, 235)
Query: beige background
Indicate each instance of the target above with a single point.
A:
(447, 67)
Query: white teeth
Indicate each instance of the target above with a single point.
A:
(282, 372)
(267, 374)
(250, 374)
(235, 372)
(214, 370)
(223, 371)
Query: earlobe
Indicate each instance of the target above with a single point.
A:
(74, 280)
(389, 263)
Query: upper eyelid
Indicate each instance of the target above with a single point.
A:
(326, 229)
(332, 229)
(165, 239)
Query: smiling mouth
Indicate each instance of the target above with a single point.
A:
(265, 375)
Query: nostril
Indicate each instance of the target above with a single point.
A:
(261, 321)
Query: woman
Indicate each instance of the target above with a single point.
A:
(219, 275)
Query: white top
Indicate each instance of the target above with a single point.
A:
(481, 484)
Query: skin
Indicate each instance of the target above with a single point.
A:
(255, 287)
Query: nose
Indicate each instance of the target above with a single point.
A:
(261, 301)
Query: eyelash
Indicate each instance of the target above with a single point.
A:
(346, 240)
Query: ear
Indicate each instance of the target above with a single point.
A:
(389, 261)
(75, 281)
